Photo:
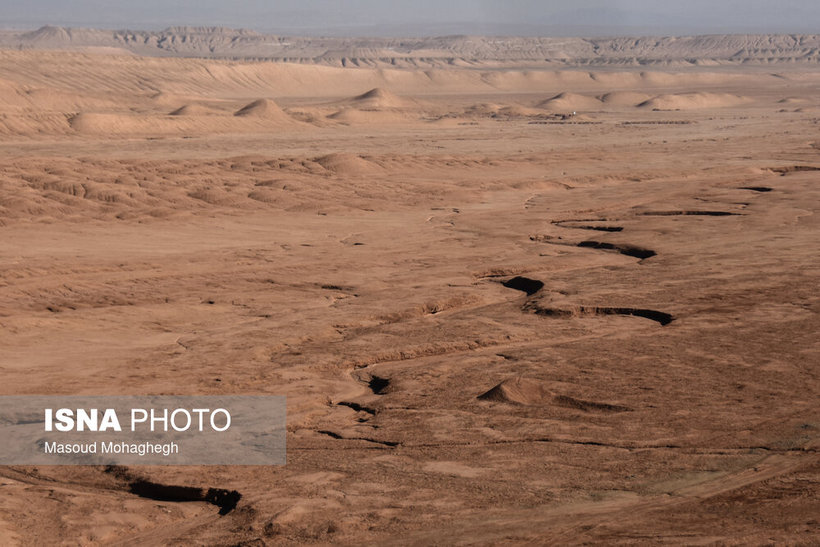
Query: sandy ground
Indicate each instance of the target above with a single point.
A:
(494, 322)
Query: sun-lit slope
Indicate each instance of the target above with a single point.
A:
(144, 77)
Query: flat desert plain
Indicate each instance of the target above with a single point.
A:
(506, 305)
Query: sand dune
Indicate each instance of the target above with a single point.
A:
(193, 109)
(686, 101)
(534, 392)
(568, 102)
(377, 105)
(262, 108)
(380, 98)
(262, 114)
(347, 164)
(356, 116)
(519, 390)
(624, 98)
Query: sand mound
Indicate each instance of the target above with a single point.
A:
(624, 98)
(570, 102)
(526, 391)
(96, 123)
(193, 118)
(192, 110)
(691, 101)
(522, 391)
(347, 164)
(379, 98)
(364, 117)
(377, 106)
(262, 108)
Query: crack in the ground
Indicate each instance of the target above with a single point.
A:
(689, 213)
(623, 248)
(626, 249)
(336, 436)
(357, 407)
(226, 500)
(574, 225)
(597, 228)
(378, 385)
(524, 284)
(658, 316)
(793, 169)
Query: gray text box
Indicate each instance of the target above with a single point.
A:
(117, 430)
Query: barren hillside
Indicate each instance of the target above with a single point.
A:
(224, 43)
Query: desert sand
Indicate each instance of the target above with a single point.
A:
(495, 322)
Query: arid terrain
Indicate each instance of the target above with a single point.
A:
(509, 302)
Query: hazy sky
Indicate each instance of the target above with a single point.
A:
(428, 17)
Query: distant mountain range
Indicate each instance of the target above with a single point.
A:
(459, 50)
